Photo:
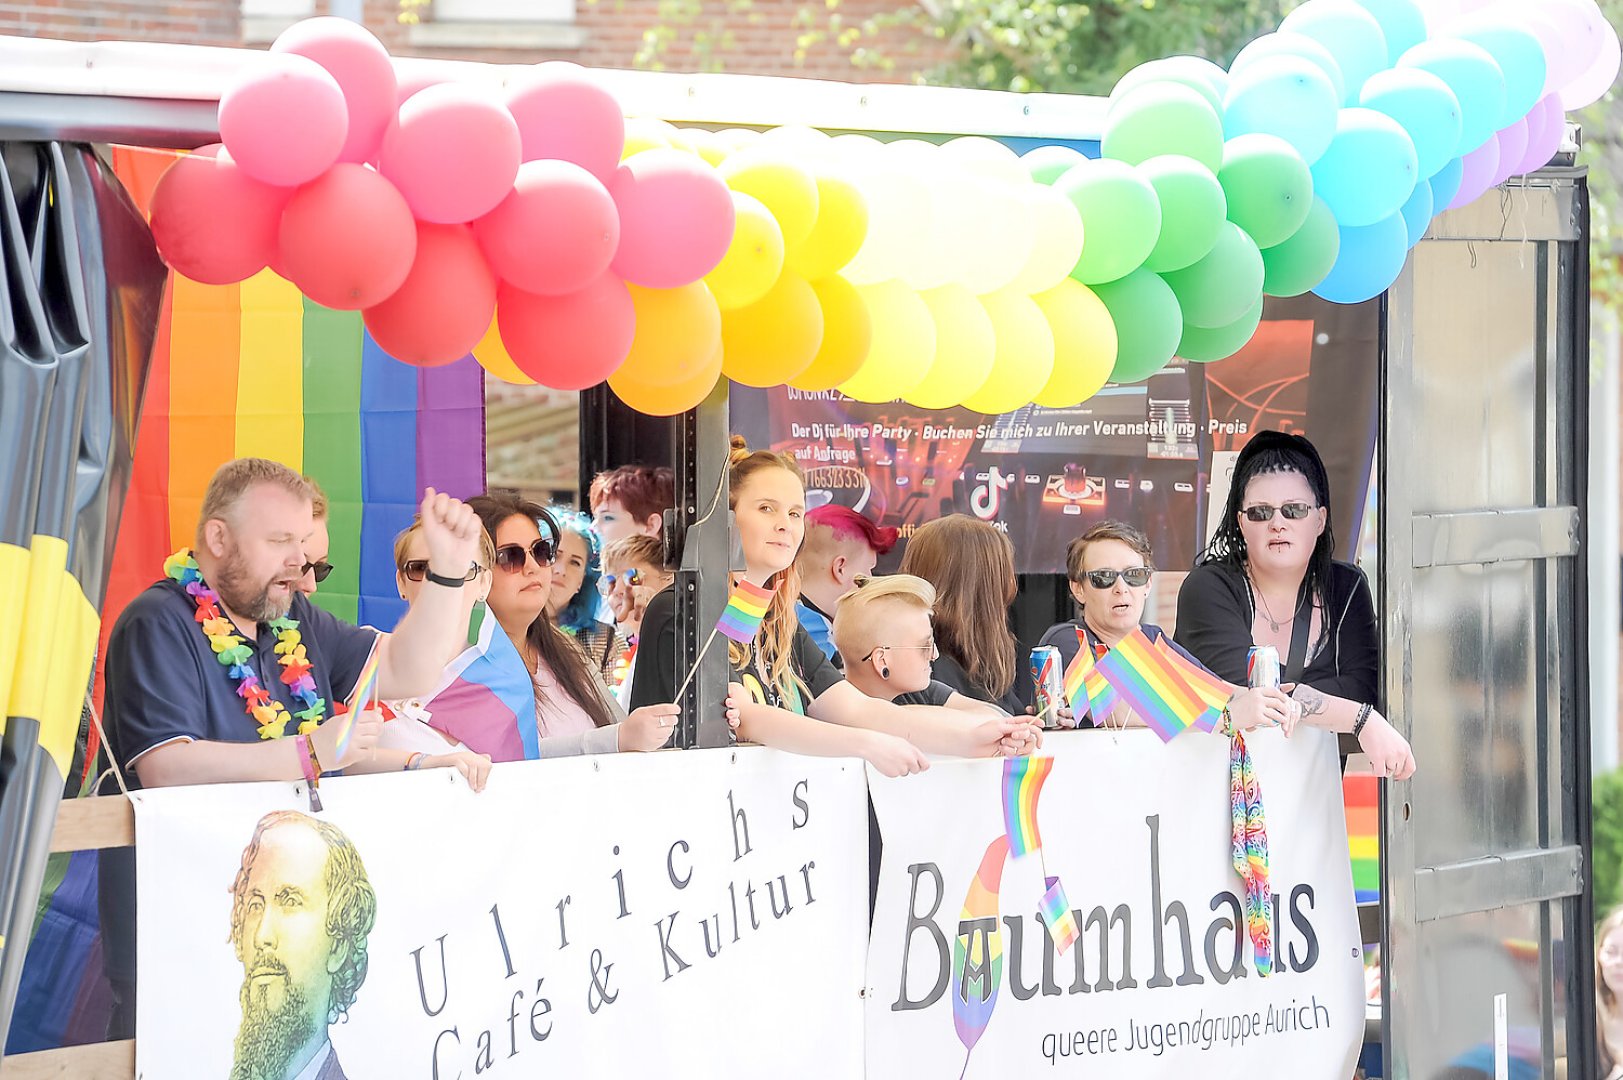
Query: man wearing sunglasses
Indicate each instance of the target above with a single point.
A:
(318, 545)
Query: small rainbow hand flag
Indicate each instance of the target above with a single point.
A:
(1151, 686)
(365, 692)
(1023, 779)
(1057, 915)
(1086, 689)
(1207, 687)
(746, 607)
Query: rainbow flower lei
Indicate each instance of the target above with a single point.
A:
(233, 652)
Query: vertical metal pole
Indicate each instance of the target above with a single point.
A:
(700, 454)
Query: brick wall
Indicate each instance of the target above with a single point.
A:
(764, 34)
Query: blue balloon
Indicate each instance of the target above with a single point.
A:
(1297, 45)
(1287, 96)
(1350, 32)
(1401, 21)
(1370, 170)
(1425, 106)
(1474, 76)
(1446, 184)
(1417, 213)
(1371, 259)
(1520, 58)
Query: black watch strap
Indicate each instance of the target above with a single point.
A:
(448, 582)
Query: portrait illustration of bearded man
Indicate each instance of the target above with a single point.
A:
(301, 908)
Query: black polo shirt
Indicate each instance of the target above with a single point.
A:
(164, 685)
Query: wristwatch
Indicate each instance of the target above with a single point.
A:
(441, 579)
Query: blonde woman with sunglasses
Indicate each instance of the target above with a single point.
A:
(1268, 578)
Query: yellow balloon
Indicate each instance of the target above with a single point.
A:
(775, 338)
(838, 232)
(492, 355)
(707, 144)
(787, 189)
(1056, 241)
(754, 259)
(678, 330)
(903, 344)
(965, 345)
(644, 133)
(847, 336)
(738, 138)
(1025, 354)
(1084, 344)
(668, 400)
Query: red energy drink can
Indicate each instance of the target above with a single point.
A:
(1048, 679)
(1262, 666)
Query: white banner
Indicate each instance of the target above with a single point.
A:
(697, 914)
(1161, 982)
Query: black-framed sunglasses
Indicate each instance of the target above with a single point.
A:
(510, 557)
(1136, 576)
(417, 569)
(1293, 511)
(321, 568)
(631, 576)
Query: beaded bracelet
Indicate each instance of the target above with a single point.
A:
(1363, 718)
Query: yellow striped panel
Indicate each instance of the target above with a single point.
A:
(13, 602)
(270, 380)
(47, 565)
(1364, 847)
(77, 628)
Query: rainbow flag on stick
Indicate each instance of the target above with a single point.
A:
(1209, 688)
(1086, 689)
(1360, 794)
(360, 699)
(1023, 779)
(746, 607)
(1057, 915)
(1151, 686)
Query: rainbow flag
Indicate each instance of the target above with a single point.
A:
(746, 607)
(1151, 686)
(1023, 779)
(257, 369)
(1361, 796)
(360, 698)
(1057, 915)
(1209, 688)
(1086, 689)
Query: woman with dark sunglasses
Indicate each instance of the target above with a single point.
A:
(1267, 578)
(1110, 568)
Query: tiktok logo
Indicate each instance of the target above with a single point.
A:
(987, 497)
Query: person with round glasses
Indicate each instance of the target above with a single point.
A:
(1268, 578)
(1110, 567)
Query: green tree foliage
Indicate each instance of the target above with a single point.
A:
(1607, 856)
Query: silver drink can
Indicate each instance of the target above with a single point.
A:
(1049, 682)
(1262, 666)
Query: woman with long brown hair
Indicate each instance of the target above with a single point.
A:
(971, 565)
(1608, 991)
(790, 696)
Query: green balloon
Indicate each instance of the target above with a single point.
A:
(1221, 287)
(1202, 346)
(1192, 211)
(1269, 187)
(1163, 118)
(1148, 324)
(1300, 263)
(1195, 72)
(1048, 163)
(1121, 218)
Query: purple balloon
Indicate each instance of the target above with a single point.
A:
(1480, 165)
(1546, 127)
(1512, 139)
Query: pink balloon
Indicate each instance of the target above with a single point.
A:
(568, 342)
(562, 114)
(408, 85)
(1512, 139)
(365, 74)
(454, 153)
(213, 222)
(1546, 126)
(1591, 84)
(257, 120)
(347, 240)
(554, 233)
(676, 218)
(1480, 165)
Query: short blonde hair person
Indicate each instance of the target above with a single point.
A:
(402, 543)
(236, 478)
(859, 620)
(649, 550)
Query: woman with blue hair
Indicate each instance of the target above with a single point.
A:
(574, 603)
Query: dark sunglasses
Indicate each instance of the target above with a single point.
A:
(321, 569)
(631, 576)
(510, 557)
(417, 569)
(1136, 576)
(1293, 511)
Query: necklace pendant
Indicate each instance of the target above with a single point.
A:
(1274, 625)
